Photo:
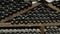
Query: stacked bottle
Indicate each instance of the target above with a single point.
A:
(20, 31)
(52, 30)
(56, 3)
(8, 7)
(40, 14)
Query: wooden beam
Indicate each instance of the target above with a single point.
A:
(51, 24)
(53, 7)
(18, 25)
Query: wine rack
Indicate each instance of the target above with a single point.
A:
(24, 17)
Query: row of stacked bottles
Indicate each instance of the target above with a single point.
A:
(20, 31)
